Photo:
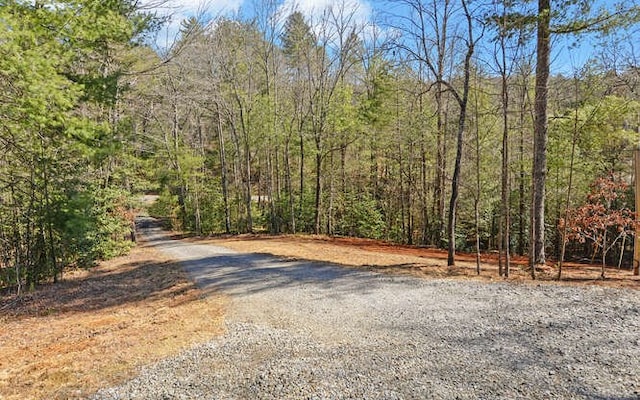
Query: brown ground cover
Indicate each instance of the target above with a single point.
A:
(95, 328)
(418, 261)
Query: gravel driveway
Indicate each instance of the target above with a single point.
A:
(308, 330)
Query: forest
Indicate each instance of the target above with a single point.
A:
(434, 123)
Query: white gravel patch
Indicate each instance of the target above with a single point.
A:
(308, 330)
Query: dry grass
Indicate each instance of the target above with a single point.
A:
(417, 261)
(96, 327)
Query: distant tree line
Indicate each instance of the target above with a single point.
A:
(419, 129)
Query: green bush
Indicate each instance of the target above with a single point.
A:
(359, 215)
(166, 208)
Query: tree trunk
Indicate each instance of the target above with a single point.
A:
(476, 200)
(316, 228)
(332, 190)
(455, 185)
(462, 101)
(604, 254)
(175, 143)
(624, 240)
(289, 186)
(198, 217)
(224, 177)
(423, 179)
(17, 245)
(301, 202)
(55, 270)
(521, 196)
(537, 251)
(476, 210)
(247, 168)
(248, 190)
(505, 238)
(438, 192)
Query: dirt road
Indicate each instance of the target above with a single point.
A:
(299, 329)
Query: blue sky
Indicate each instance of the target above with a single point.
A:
(179, 10)
(567, 56)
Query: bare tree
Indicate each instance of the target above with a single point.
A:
(508, 44)
(327, 55)
(431, 42)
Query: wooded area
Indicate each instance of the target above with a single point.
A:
(441, 123)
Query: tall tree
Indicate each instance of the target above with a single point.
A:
(507, 48)
(462, 100)
(431, 20)
(583, 21)
(540, 135)
(61, 75)
(299, 45)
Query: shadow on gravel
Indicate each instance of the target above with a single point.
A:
(252, 273)
(246, 273)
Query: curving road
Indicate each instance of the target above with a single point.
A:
(308, 330)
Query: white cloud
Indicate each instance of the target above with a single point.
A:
(177, 11)
(355, 12)
(213, 7)
(327, 17)
(192, 7)
(358, 11)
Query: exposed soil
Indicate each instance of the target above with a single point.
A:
(417, 261)
(95, 328)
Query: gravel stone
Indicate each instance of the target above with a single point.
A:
(309, 330)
